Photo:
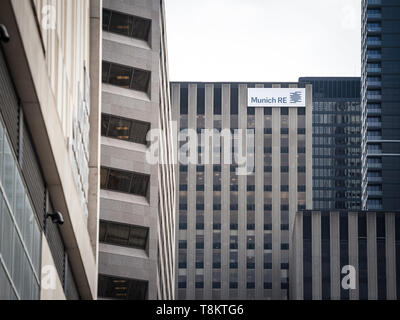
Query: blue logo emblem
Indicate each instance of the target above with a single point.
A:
(296, 97)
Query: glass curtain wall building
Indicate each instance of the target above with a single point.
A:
(233, 230)
(336, 142)
(380, 104)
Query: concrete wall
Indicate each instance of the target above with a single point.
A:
(189, 235)
(155, 212)
(47, 66)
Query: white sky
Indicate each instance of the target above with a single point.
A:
(262, 40)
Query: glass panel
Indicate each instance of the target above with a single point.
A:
(121, 24)
(119, 128)
(119, 181)
(106, 19)
(141, 28)
(9, 174)
(141, 80)
(120, 76)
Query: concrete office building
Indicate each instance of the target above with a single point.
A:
(380, 105)
(336, 142)
(233, 231)
(324, 242)
(49, 146)
(137, 209)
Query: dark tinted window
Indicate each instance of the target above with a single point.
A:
(124, 129)
(201, 107)
(217, 101)
(184, 100)
(123, 235)
(125, 76)
(122, 289)
(124, 181)
(234, 101)
(307, 257)
(126, 25)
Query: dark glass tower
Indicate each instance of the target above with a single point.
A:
(336, 142)
(380, 104)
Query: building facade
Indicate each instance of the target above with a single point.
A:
(233, 230)
(336, 143)
(325, 243)
(137, 209)
(380, 104)
(49, 146)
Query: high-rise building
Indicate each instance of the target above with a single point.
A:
(137, 208)
(233, 230)
(336, 142)
(49, 145)
(380, 105)
(345, 255)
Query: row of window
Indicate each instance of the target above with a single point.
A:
(250, 188)
(235, 207)
(232, 285)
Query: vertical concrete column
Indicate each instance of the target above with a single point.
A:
(191, 201)
(208, 198)
(293, 164)
(242, 200)
(390, 222)
(259, 199)
(175, 102)
(276, 202)
(316, 256)
(225, 194)
(335, 256)
(296, 268)
(372, 258)
(95, 122)
(353, 251)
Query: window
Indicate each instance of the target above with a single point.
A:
(126, 25)
(20, 249)
(125, 76)
(123, 235)
(122, 289)
(124, 181)
(124, 129)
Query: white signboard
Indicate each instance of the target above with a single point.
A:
(276, 97)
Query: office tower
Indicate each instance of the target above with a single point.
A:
(380, 105)
(137, 208)
(336, 142)
(49, 142)
(233, 230)
(342, 255)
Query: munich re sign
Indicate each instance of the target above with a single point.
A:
(276, 97)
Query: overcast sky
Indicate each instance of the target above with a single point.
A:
(262, 40)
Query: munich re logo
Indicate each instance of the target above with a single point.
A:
(296, 97)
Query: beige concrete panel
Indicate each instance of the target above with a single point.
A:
(51, 288)
(276, 202)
